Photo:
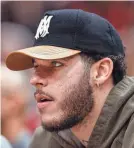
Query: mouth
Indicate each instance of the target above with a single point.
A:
(42, 100)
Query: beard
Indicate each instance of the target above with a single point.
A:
(77, 104)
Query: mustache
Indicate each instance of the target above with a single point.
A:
(38, 91)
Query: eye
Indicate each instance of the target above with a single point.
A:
(56, 64)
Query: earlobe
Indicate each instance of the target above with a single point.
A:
(96, 82)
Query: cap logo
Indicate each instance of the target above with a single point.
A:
(43, 27)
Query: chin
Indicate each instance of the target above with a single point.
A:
(54, 124)
(51, 125)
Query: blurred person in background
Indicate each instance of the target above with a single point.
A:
(14, 101)
(83, 94)
(15, 36)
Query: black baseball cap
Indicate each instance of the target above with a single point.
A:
(64, 33)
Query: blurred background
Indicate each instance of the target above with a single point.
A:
(19, 20)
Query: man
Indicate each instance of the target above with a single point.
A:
(78, 59)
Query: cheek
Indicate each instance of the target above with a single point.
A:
(64, 80)
(69, 79)
(73, 76)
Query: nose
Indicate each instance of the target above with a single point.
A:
(37, 80)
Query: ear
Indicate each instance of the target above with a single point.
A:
(101, 71)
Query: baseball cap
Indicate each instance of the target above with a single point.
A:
(67, 32)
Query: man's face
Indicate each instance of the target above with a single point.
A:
(63, 95)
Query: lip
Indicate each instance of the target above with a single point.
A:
(39, 96)
(42, 105)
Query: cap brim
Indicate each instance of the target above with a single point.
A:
(22, 59)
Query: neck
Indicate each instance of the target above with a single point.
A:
(12, 127)
(84, 130)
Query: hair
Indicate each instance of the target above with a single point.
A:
(119, 65)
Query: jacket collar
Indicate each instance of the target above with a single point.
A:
(117, 95)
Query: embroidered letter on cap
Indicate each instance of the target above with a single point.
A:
(43, 27)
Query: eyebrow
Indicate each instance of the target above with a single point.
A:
(62, 59)
(65, 59)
